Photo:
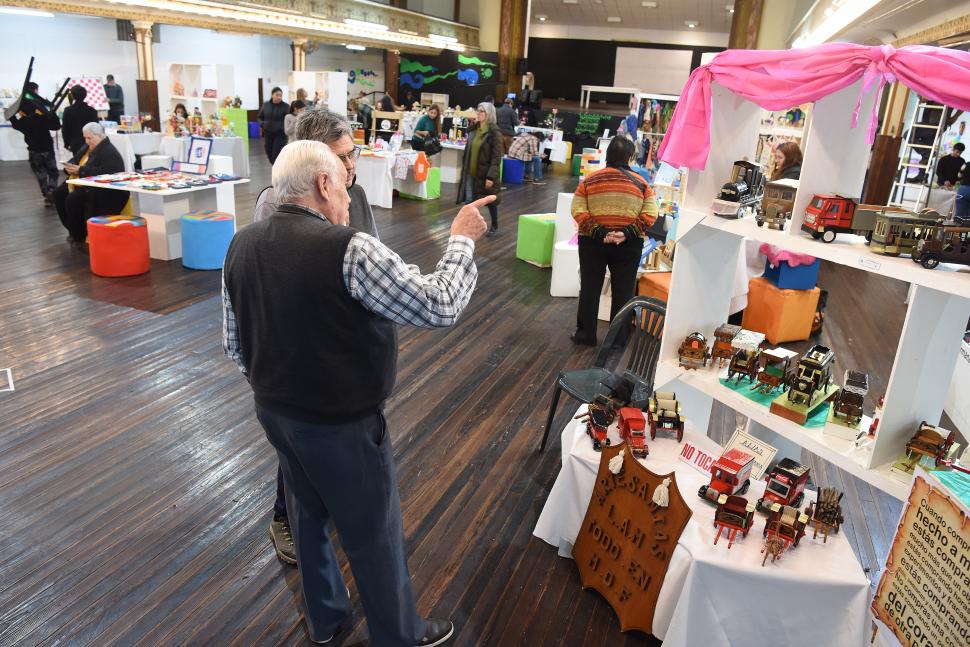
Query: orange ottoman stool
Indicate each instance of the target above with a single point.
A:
(655, 284)
(118, 245)
(782, 315)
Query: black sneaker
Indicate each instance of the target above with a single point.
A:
(437, 633)
(282, 538)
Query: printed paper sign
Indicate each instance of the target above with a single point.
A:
(698, 454)
(763, 452)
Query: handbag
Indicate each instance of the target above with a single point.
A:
(432, 145)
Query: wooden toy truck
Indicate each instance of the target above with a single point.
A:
(730, 475)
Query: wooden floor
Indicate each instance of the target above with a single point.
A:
(136, 484)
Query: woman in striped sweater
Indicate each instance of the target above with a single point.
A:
(613, 208)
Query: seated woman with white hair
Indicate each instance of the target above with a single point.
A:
(75, 205)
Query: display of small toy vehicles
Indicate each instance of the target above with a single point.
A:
(814, 374)
(825, 514)
(784, 528)
(777, 204)
(786, 485)
(664, 414)
(847, 406)
(946, 244)
(898, 233)
(742, 193)
(599, 415)
(730, 474)
(828, 215)
(693, 351)
(633, 431)
(723, 336)
(733, 515)
(930, 441)
(777, 368)
(744, 362)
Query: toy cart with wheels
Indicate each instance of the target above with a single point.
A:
(599, 415)
(747, 350)
(693, 351)
(777, 368)
(825, 514)
(733, 515)
(784, 528)
(722, 350)
(664, 414)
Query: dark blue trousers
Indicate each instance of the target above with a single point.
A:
(344, 473)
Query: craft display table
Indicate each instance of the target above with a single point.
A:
(131, 145)
(586, 90)
(450, 160)
(816, 594)
(234, 147)
(163, 210)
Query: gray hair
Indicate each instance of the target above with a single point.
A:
(489, 109)
(321, 125)
(299, 164)
(93, 128)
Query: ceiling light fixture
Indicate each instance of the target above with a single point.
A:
(363, 24)
(356, 48)
(613, 19)
(649, 5)
(444, 39)
(542, 17)
(691, 23)
(729, 8)
(836, 18)
(16, 11)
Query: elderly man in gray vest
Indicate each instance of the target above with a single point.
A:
(310, 307)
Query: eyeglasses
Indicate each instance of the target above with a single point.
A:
(350, 155)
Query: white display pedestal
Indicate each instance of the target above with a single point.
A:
(565, 270)
(12, 146)
(225, 193)
(451, 159)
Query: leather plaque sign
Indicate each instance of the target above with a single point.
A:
(627, 538)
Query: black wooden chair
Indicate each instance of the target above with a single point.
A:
(646, 318)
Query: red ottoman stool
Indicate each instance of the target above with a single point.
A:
(118, 245)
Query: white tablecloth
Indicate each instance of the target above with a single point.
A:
(816, 594)
(12, 146)
(450, 159)
(141, 143)
(374, 174)
(230, 146)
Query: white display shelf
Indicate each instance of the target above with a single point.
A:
(783, 131)
(846, 249)
(710, 259)
(837, 451)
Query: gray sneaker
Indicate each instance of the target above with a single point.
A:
(282, 538)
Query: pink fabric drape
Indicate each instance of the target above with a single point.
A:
(780, 79)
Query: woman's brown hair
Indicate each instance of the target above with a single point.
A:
(793, 156)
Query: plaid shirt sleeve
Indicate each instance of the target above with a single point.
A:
(230, 331)
(381, 281)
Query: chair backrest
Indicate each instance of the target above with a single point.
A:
(644, 318)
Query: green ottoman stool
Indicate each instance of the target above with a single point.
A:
(537, 232)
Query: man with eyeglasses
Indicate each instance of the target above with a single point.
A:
(334, 131)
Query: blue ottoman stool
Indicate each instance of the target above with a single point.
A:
(205, 239)
(513, 171)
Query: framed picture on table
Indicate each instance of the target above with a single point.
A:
(198, 156)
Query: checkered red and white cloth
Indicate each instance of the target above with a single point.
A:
(96, 98)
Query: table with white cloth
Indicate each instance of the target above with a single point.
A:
(12, 145)
(553, 143)
(816, 594)
(451, 159)
(234, 147)
(132, 144)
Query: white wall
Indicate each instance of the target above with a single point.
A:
(332, 58)
(659, 71)
(699, 38)
(438, 8)
(65, 46)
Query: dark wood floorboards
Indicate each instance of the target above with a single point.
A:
(136, 484)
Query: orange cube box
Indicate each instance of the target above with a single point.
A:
(655, 285)
(782, 315)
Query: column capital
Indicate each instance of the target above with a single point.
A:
(144, 25)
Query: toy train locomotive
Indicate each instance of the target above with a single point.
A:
(743, 193)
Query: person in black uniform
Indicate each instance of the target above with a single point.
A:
(271, 117)
(76, 204)
(35, 120)
(75, 116)
(948, 168)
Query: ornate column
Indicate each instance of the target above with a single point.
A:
(392, 72)
(511, 45)
(299, 54)
(146, 85)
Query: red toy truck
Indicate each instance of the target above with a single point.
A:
(633, 431)
(786, 485)
(828, 215)
(729, 475)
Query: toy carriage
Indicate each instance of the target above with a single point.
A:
(693, 351)
(747, 349)
(928, 441)
(664, 414)
(814, 375)
(777, 369)
(633, 430)
(825, 514)
(847, 407)
(783, 530)
(733, 515)
(722, 350)
(599, 415)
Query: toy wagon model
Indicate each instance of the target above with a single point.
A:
(664, 414)
(693, 352)
(786, 525)
(777, 204)
(814, 375)
(730, 474)
(777, 369)
(742, 193)
(733, 515)
(928, 441)
(744, 362)
(847, 407)
(786, 485)
(632, 430)
(723, 336)
(599, 415)
(948, 244)
(825, 514)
